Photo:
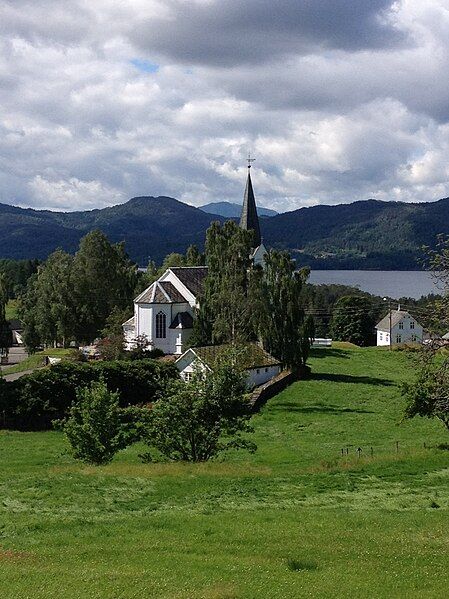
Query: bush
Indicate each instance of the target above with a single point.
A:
(34, 401)
(94, 428)
(197, 420)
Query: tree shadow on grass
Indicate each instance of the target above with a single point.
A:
(326, 352)
(319, 409)
(349, 378)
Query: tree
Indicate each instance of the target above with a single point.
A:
(94, 428)
(103, 279)
(195, 421)
(352, 320)
(194, 256)
(285, 331)
(429, 395)
(5, 331)
(227, 311)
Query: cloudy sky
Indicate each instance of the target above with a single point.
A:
(339, 100)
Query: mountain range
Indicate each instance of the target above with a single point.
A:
(365, 234)
(230, 210)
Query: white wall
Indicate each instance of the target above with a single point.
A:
(259, 376)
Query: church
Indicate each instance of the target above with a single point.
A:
(164, 313)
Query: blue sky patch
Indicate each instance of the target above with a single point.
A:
(145, 65)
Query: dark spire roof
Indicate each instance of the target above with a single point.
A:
(249, 219)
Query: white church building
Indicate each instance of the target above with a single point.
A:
(164, 312)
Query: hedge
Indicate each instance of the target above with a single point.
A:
(33, 401)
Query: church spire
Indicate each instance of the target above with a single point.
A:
(249, 219)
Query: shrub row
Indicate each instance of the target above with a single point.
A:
(33, 401)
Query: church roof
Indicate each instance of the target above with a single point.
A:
(161, 293)
(249, 219)
(191, 276)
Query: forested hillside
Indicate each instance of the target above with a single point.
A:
(367, 234)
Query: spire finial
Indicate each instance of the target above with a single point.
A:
(249, 160)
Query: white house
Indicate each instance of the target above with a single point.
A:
(260, 366)
(164, 313)
(402, 328)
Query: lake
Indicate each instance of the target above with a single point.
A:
(391, 283)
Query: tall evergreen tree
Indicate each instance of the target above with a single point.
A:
(103, 279)
(285, 330)
(225, 313)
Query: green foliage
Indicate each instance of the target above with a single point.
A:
(227, 304)
(352, 321)
(33, 401)
(428, 395)
(94, 428)
(104, 279)
(285, 331)
(17, 273)
(195, 421)
(5, 331)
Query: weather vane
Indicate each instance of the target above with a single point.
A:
(249, 160)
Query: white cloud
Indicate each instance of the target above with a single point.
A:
(334, 110)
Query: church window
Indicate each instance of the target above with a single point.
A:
(161, 325)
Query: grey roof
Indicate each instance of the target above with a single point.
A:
(15, 324)
(252, 355)
(249, 219)
(182, 320)
(191, 276)
(161, 293)
(446, 336)
(130, 322)
(396, 316)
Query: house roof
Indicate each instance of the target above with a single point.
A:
(162, 292)
(191, 277)
(396, 317)
(249, 219)
(130, 322)
(15, 324)
(252, 355)
(446, 336)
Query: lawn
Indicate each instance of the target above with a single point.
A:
(305, 516)
(37, 360)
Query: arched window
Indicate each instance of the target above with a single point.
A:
(161, 325)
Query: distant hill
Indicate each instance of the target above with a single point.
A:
(151, 227)
(367, 234)
(230, 210)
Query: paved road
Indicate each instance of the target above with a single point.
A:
(16, 375)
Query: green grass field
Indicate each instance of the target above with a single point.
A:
(36, 360)
(296, 519)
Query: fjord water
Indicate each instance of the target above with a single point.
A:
(391, 283)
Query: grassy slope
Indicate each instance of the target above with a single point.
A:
(294, 520)
(36, 360)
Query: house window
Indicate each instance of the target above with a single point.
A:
(258, 371)
(381, 336)
(401, 325)
(412, 324)
(413, 337)
(398, 338)
(266, 369)
(188, 376)
(161, 325)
